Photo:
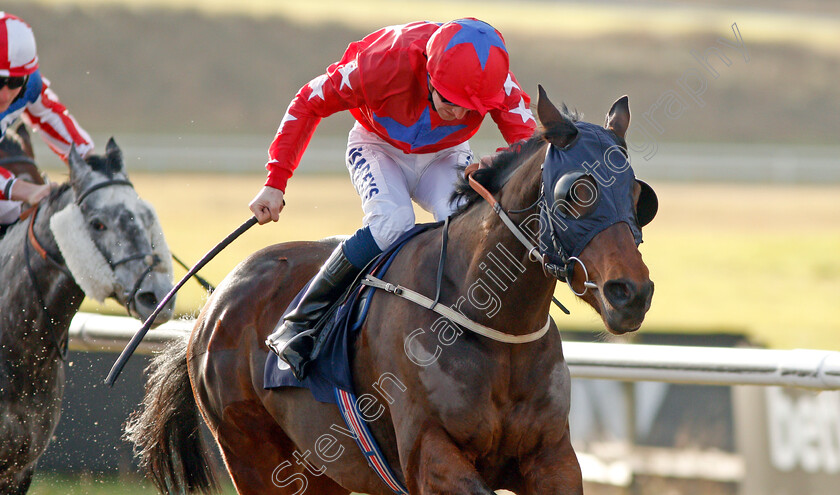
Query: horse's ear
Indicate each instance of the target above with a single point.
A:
(559, 130)
(77, 164)
(113, 149)
(113, 153)
(25, 140)
(547, 112)
(618, 119)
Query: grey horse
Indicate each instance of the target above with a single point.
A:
(93, 236)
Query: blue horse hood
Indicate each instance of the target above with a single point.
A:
(595, 154)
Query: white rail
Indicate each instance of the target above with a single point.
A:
(98, 333)
(816, 369)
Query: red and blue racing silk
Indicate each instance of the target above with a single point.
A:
(383, 82)
(40, 107)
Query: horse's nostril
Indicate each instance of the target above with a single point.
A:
(646, 292)
(147, 299)
(619, 292)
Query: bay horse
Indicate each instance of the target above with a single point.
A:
(452, 411)
(92, 236)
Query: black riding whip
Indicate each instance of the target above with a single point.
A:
(207, 285)
(119, 364)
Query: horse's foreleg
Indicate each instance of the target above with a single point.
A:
(261, 459)
(552, 470)
(24, 435)
(436, 466)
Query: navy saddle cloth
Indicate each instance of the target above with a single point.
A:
(331, 369)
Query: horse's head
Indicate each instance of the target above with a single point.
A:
(111, 239)
(594, 210)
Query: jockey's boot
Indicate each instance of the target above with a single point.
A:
(294, 338)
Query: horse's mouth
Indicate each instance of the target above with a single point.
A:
(144, 304)
(621, 326)
(143, 311)
(630, 315)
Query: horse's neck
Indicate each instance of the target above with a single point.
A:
(30, 335)
(62, 289)
(498, 270)
(45, 298)
(42, 229)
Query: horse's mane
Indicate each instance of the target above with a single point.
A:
(52, 202)
(56, 192)
(504, 163)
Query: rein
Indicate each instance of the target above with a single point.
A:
(451, 314)
(36, 244)
(534, 254)
(59, 343)
(17, 159)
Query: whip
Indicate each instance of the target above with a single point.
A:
(119, 364)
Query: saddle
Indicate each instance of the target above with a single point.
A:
(330, 368)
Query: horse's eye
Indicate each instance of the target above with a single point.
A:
(97, 225)
(575, 195)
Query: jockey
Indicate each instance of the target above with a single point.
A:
(418, 92)
(24, 92)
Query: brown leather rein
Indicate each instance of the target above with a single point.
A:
(32, 212)
(533, 251)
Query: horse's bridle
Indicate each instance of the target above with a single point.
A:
(151, 259)
(560, 266)
(563, 265)
(60, 346)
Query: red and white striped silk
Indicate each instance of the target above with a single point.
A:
(58, 128)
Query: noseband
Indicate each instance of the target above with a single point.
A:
(151, 260)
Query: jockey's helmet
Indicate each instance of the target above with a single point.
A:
(468, 64)
(18, 56)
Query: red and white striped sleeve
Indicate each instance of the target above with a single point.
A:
(58, 128)
(7, 180)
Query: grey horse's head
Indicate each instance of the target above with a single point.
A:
(111, 239)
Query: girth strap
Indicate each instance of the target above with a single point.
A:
(357, 424)
(453, 315)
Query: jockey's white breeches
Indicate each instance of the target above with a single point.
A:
(387, 180)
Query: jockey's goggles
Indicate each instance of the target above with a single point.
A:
(12, 82)
(445, 101)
